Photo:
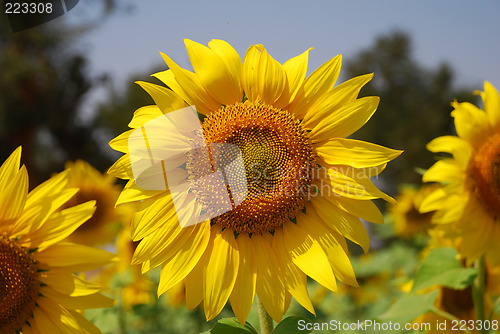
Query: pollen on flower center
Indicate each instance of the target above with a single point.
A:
(485, 172)
(278, 160)
(19, 285)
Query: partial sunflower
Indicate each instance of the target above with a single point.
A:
(468, 201)
(39, 293)
(407, 219)
(306, 185)
(460, 303)
(103, 226)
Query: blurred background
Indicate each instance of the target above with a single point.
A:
(67, 86)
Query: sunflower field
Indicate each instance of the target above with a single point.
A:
(227, 189)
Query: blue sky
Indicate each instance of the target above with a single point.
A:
(465, 34)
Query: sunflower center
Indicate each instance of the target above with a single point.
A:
(18, 285)
(277, 157)
(485, 173)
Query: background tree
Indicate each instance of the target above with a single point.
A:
(414, 102)
(44, 79)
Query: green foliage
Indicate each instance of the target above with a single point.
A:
(409, 307)
(441, 267)
(232, 326)
(290, 325)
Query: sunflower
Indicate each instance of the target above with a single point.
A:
(407, 219)
(460, 303)
(468, 200)
(39, 293)
(292, 190)
(104, 224)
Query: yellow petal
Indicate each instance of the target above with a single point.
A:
(244, 288)
(451, 210)
(318, 83)
(61, 224)
(122, 168)
(213, 73)
(73, 257)
(491, 101)
(132, 193)
(36, 213)
(230, 57)
(166, 232)
(166, 248)
(13, 197)
(446, 170)
(95, 300)
(329, 102)
(271, 78)
(460, 148)
(295, 279)
(433, 201)
(351, 185)
(164, 98)
(220, 273)
(249, 78)
(346, 120)
(308, 255)
(89, 327)
(179, 266)
(270, 285)
(296, 70)
(332, 243)
(342, 222)
(193, 88)
(475, 237)
(355, 153)
(144, 115)
(193, 285)
(10, 168)
(51, 317)
(64, 282)
(364, 209)
(168, 78)
(121, 142)
(151, 215)
(471, 123)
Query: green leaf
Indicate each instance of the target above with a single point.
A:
(441, 267)
(409, 307)
(232, 326)
(291, 324)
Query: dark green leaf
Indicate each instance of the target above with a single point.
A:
(292, 325)
(232, 326)
(441, 267)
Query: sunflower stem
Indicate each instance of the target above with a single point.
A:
(478, 291)
(266, 322)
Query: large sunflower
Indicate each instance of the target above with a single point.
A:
(306, 186)
(468, 201)
(39, 293)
